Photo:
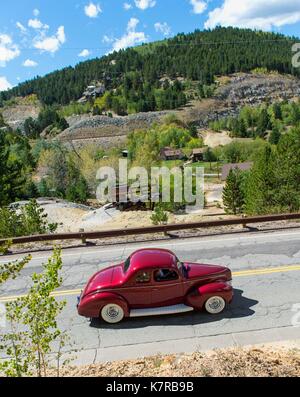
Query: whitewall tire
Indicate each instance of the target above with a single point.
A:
(215, 305)
(112, 313)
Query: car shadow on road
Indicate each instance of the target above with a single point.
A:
(239, 308)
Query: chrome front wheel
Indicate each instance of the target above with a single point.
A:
(215, 305)
(112, 313)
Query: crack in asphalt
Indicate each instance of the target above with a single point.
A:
(192, 337)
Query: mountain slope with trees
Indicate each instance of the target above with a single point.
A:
(132, 76)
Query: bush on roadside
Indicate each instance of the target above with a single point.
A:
(28, 220)
(159, 216)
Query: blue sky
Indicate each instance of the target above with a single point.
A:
(39, 36)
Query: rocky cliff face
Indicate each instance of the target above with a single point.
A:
(254, 89)
(16, 115)
(243, 89)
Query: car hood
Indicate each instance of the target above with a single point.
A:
(105, 279)
(197, 270)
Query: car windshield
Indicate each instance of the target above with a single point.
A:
(181, 268)
(179, 264)
(126, 265)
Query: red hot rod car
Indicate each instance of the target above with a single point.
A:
(154, 282)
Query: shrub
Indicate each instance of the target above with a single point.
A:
(159, 216)
(28, 220)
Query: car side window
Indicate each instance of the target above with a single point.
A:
(163, 275)
(143, 278)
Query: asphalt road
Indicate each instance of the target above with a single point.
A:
(266, 269)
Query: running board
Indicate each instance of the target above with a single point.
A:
(159, 311)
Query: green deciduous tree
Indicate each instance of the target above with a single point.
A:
(34, 333)
(11, 269)
(210, 157)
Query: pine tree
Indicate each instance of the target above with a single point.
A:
(275, 136)
(287, 171)
(2, 123)
(77, 188)
(261, 185)
(242, 129)
(263, 122)
(277, 111)
(233, 192)
(13, 171)
(295, 114)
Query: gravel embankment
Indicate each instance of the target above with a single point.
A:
(262, 362)
(102, 126)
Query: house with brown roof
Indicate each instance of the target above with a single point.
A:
(240, 166)
(168, 153)
(197, 155)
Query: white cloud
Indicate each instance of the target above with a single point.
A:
(144, 4)
(4, 84)
(92, 10)
(255, 14)
(131, 37)
(107, 39)
(163, 28)
(30, 64)
(127, 6)
(37, 24)
(199, 6)
(132, 24)
(21, 27)
(51, 43)
(84, 53)
(36, 12)
(61, 37)
(8, 50)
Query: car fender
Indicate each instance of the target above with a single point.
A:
(91, 305)
(212, 288)
(199, 296)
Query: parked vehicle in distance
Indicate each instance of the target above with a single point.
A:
(155, 282)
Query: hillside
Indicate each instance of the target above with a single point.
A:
(240, 89)
(236, 99)
(142, 79)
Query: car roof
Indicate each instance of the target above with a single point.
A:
(151, 258)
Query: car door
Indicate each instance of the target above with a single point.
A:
(138, 291)
(167, 287)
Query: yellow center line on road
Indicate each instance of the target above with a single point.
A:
(243, 273)
(282, 269)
